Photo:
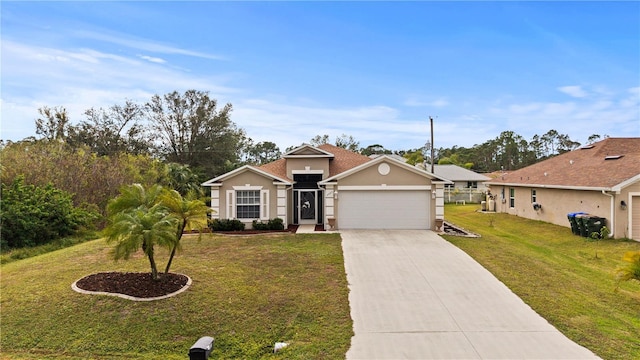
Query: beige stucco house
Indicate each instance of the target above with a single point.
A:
(602, 179)
(327, 185)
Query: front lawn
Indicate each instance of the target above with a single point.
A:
(567, 279)
(248, 292)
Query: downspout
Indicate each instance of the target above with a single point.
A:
(612, 206)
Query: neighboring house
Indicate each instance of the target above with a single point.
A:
(602, 179)
(319, 185)
(462, 178)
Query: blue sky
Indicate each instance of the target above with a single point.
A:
(372, 70)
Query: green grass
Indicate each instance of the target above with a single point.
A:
(8, 256)
(567, 279)
(247, 292)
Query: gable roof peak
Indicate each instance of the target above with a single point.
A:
(307, 150)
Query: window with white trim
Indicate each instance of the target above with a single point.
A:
(512, 197)
(534, 196)
(248, 204)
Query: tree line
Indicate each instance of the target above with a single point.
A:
(508, 151)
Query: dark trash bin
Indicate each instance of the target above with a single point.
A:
(594, 224)
(201, 349)
(581, 219)
(575, 228)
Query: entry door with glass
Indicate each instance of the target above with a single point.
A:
(307, 208)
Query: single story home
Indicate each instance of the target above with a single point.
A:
(330, 186)
(462, 178)
(601, 179)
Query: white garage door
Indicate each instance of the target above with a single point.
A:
(390, 209)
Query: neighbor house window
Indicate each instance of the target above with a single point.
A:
(512, 197)
(472, 184)
(534, 196)
(448, 187)
(248, 204)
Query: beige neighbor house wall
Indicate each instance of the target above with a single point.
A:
(557, 203)
(244, 179)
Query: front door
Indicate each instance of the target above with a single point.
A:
(307, 207)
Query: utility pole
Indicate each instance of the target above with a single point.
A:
(432, 159)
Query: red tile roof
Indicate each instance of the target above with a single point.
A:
(342, 161)
(586, 167)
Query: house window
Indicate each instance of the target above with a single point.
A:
(534, 196)
(512, 197)
(248, 204)
(448, 187)
(472, 184)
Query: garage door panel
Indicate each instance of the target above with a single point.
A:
(391, 209)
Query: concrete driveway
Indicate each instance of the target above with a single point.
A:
(413, 295)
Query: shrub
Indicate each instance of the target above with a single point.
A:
(276, 224)
(272, 224)
(260, 225)
(226, 225)
(33, 215)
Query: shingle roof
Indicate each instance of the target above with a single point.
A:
(457, 173)
(591, 166)
(277, 168)
(342, 161)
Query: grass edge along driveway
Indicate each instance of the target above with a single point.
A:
(565, 278)
(248, 293)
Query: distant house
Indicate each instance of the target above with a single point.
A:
(327, 185)
(602, 179)
(462, 178)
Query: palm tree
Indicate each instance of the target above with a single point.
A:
(141, 228)
(132, 197)
(138, 220)
(190, 212)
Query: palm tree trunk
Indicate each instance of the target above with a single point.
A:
(175, 246)
(152, 262)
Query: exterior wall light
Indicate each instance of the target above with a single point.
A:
(623, 205)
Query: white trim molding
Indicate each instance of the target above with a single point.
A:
(383, 187)
(294, 172)
(247, 187)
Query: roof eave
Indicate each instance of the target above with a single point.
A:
(216, 181)
(379, 160)
(551, 186)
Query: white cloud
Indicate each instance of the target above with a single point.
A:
(615, 114)
(289, 125)
(82, 78)
(152, 59)
(143, 44)
(574, 91)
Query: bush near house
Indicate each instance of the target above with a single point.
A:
(226, 225)
(272, 224)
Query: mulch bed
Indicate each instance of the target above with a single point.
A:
(139, 285)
